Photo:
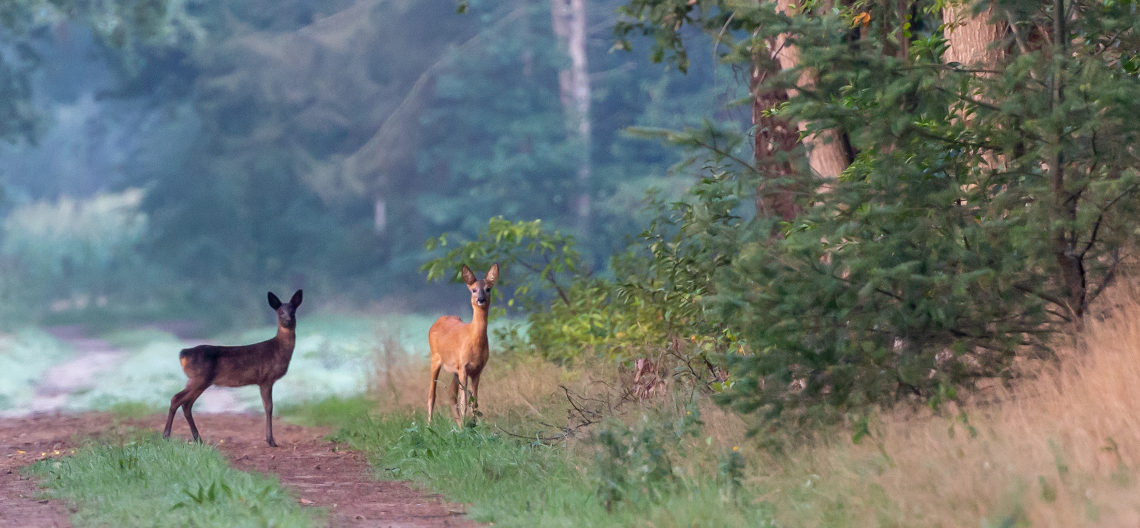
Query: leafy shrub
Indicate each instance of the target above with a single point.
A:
(634, 464)
(537, 265)
(653, 303)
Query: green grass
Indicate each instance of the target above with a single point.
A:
(133, 410)
(515, 482)
(329, 412)
(151, 482)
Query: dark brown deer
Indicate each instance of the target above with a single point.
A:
(260, 364)
(461, 348)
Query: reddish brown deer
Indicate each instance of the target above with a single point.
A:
(461, 348)
(260, 364)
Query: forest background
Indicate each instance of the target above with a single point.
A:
(822, 205)
(811, 239)
(174, 159)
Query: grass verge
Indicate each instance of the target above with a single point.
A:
(146, 481)
(513, 482)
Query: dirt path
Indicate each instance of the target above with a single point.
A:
(96, 357)
(319, 474)
(93, 357)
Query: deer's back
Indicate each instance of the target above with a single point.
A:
(237, 366)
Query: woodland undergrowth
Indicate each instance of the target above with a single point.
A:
(584, 445)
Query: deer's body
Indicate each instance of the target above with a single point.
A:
(260, 364)
(462, 348)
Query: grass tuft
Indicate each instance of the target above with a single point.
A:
(152, 482)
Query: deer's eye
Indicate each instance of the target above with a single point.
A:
(488, 289)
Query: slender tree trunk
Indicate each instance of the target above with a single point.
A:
(772, 136)
(827, 150)
(569, 17)
(1065, 239)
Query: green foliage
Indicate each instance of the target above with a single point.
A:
(570, 313)
(634, 464)
(127, 25)
(534, 263)
(657, 297)
(662, 20)
(981, 213)
(152, 482)
(567, 311)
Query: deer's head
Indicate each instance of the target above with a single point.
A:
(286, 312)
(480, 288)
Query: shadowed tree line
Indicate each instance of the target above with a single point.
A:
(319, 144)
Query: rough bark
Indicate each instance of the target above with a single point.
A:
(973, 37)
(974, 42)
(827, 150)
(772, 136)
(569, 20)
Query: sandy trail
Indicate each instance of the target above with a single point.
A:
(320, 473)
(95, 357)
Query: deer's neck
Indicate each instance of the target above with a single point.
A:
(286, 339)
(478, 325)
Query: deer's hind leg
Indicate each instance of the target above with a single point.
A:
(188, 404)
(175, 403)
(435, 366)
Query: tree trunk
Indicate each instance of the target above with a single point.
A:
(772, 135)
(827, 150)
(569, 18)
(973, 42)
(1070, 260)
(972, 38)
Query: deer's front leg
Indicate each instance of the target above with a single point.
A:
(267, 401)
(474, 381)
(464, 396)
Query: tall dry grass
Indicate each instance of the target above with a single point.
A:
(1059, 450)
(517, 391)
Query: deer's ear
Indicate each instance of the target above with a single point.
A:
(468, 277)
(296, 300)
(274, 302)
(492, 275)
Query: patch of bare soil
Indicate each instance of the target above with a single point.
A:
(26, 440)
(317, 471)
